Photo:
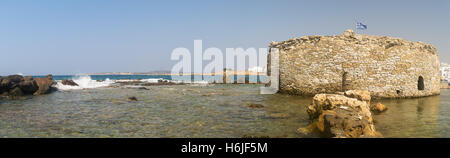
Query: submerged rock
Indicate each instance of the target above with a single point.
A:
(131, 99)
(252, 105)
(69, 83)
(342, 116)
(143, 88)
(378, 108)
(278, 115)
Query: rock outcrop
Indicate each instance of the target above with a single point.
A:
(45, 85)
(69, 83)
(343, 116)
(386, 67)
(17, 85)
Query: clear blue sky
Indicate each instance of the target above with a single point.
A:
(85, 36)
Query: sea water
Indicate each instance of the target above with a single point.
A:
(211, 110)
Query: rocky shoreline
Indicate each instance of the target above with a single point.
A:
(342, 115)
(17, 85)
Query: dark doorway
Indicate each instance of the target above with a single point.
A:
(420, 84)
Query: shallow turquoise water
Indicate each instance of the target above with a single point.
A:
(198, 111)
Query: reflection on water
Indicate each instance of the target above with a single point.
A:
(197, 111)
(419, 117)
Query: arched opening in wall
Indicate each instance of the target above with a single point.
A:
(420, 84)
(344, 81)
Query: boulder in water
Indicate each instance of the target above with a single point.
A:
(342, 116)
(378, 108)
(69, 83)
(10, 82)
(29, 86)
(45, 85)
(17, 85)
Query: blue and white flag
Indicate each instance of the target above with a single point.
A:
(361, 26)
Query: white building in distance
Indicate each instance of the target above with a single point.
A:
(257, 69)
(445, 71)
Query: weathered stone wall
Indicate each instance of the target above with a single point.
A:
(387, 67)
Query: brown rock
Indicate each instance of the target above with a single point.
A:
(28, 86)
(69, 82)
(340, 125)
(358, 94)
(17, 85)
(15, 78)
(16, 92)
(44, 85)
(341, 116)
(49, 77)
(2, 88)
(6, 85)
(321, 120)
(378, 107)
(10, 82)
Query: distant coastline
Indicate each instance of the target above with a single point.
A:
(167, 73)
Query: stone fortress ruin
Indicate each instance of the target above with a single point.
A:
(386, 67)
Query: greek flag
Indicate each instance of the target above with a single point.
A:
(361, 26)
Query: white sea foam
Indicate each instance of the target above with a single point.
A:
(194, 83)
(152, 80)
(149, 80)
(199, 83)
(84, 82)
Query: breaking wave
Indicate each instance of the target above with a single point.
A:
(84, 82)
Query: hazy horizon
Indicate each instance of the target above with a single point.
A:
(95, 36)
